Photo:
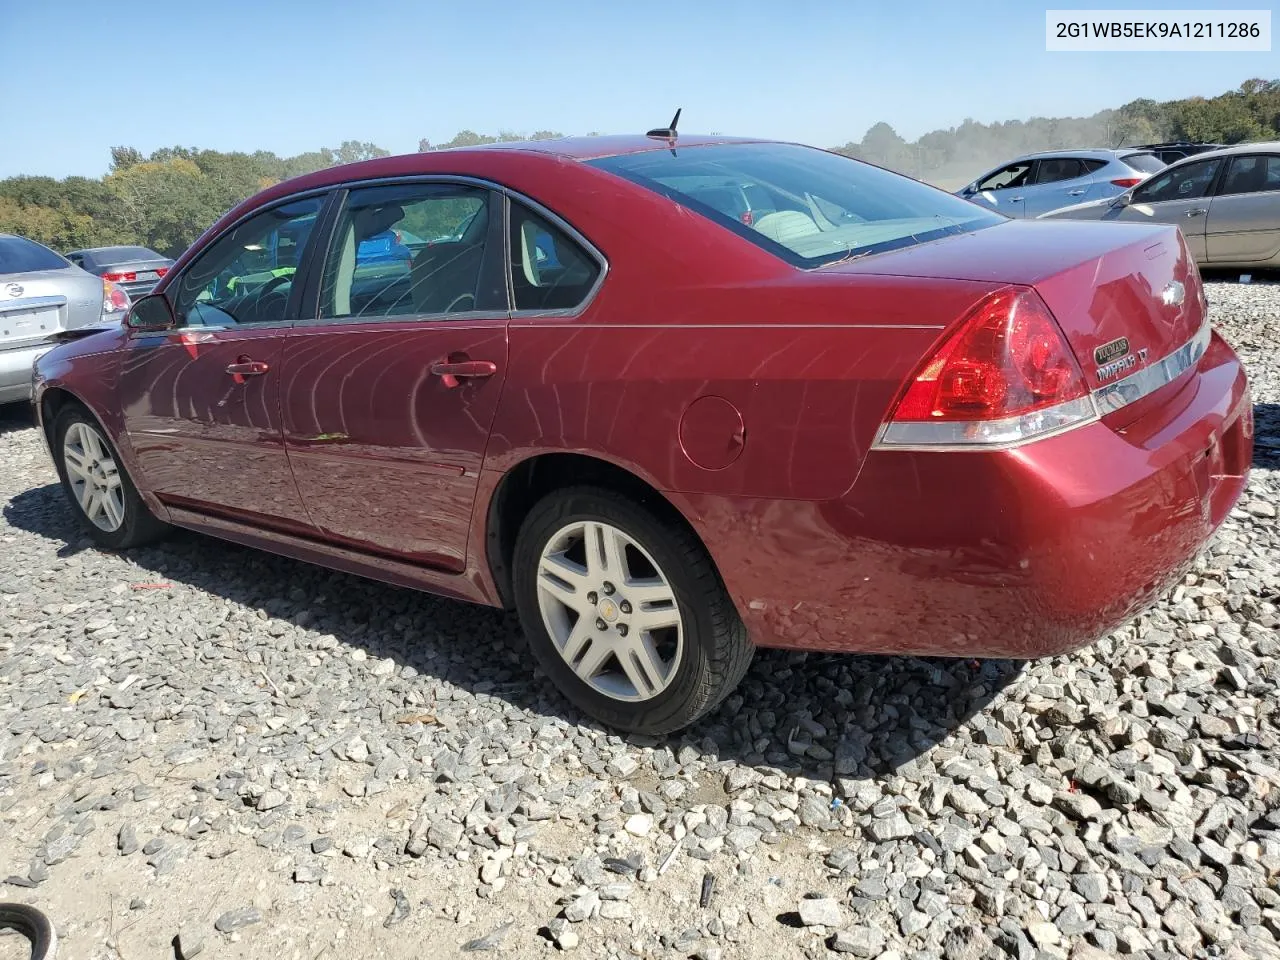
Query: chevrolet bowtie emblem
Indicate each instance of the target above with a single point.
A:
(1173, 294)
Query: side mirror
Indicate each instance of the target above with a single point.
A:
(151, 314)
(1122, 201)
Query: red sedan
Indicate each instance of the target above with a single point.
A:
(672, 400)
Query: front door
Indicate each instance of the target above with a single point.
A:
(201, 402)
(391, 385)
(1179, 196)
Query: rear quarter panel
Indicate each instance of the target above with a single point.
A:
(809, 360)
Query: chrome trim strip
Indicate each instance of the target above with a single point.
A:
(1118, 395)
(32, 303)
(910, 435)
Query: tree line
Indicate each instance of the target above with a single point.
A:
(164, 200)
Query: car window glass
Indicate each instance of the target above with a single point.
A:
(1148, 162)
(406, 250)
(815, 206)
(246, 275)
(1252, 174)
(549, 271)
(19, 255)
(1092, 166)
(1054, 169)
(1187, 182)
(1014, 175)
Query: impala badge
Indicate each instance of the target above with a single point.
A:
(14, 289)
(1173, 294)
(1109, 351)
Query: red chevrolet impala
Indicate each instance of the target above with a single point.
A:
(672, 400)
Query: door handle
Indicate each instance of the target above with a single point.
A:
(1198, 212)
(244, 367)
(1075, 193)
(1016, 199)
(452, 371)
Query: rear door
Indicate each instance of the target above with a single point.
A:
(1059, 182)
(1243, 223)
(1179, 196)
(201, 402)
(392, 379)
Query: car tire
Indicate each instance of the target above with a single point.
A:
(629, 667)
(97, 486)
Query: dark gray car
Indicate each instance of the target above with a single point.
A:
(1227, 203)
(137, 269)
(42, 294)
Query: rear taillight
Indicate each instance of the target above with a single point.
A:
(1004, 376)
(1126, 182)
(114, 299)
(120, 277)
(161, 271)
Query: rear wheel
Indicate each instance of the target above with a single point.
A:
(99, 490)
(626, 611)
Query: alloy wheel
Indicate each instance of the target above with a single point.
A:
(94, 477)
(610, 611)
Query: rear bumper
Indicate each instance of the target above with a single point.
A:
(1019, 553)
(15, 371)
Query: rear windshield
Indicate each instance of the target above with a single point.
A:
(110, 255)
(1144, 162)
(19, 255)
(807, 206)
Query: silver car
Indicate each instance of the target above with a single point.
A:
(137, 269)
(1040, 182)
(1226, 201)
(41, 296)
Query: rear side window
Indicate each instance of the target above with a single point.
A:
(1255, 174)
(409, 250)
(806, 206)
(20, 255)
(549, 271)
(1054, 169)
(1093, 166)
(1143, 162)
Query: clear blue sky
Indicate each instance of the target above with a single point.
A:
(294, 76)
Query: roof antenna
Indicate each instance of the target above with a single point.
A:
(666, 133)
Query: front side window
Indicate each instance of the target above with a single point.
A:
(1252, 174)
(807, 206)
(549, 271)
(1188, 182)
(1014, 175)
(407, 250)
(246, 275)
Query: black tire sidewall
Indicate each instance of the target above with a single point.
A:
(673, 550)
(133, 529)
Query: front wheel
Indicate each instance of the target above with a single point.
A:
(95, 483)
(626, 612)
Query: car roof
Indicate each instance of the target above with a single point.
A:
(1266, 146)
(1096, 153)
(612, 145)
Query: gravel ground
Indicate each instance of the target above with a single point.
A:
(205, 749)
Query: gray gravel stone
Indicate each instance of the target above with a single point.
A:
(820, 911)
(237, 919)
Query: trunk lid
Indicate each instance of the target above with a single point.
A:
(1125, 295)
(37, 305)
